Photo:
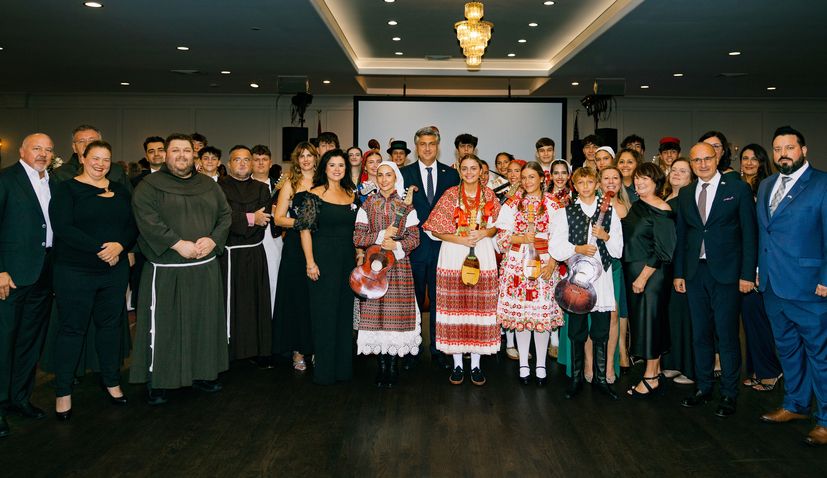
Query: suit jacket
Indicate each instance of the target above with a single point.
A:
(22, 227)
(729, 235)
(446, 177)
(793, 243)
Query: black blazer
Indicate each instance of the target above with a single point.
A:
(22, 227)
(446, 177)
(730, 234)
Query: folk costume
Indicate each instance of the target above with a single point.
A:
(527, 305)
(245, 271)
(570, 227)
(389, 327)
(466, 317)
(181, 334)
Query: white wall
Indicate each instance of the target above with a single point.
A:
(226, 120)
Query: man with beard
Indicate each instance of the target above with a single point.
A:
(244, 265)
(154, 154)
(265, 171)
(715, 259)
(81, 136)
(183, 217)
(792, 262)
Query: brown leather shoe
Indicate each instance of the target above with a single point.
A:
(817, 436)
(782, 416)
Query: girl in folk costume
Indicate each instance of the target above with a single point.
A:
(513, 171)
(571, 231)
(466, 311)
(389, 327)
(526, 300)
(367, 183)
(559, 189)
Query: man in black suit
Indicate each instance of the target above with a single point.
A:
(25, 274)
(155, 155)
(715, 261)
(431, 178)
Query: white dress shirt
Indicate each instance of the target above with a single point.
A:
(424, 172)
(44, 195)
(710, 191)
(790, 183)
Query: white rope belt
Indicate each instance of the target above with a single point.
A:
(229, 276)
(152, 305)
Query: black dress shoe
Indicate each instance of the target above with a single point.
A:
(27, 410)
(208, 386)
(4, 427)
(156, 396)
(63, 416)
(726, 407)
(698, 398)
(477, 377)
(527, 379)
(120, 401)
(457, 376)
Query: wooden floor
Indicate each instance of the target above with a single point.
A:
(277, 423)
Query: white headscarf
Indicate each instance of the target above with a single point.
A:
(400, 183)
(607, 149)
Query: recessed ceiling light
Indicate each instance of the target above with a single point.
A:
(532, 24)
(253, 85)
(225, 72)
(770, 88)
(124, 83)
(512, 55)
(575, 83)
(183, 48)
(389, 1)
(93, 4)
(1, 48)
(396, 39)
(734, 53)
(644, 87)
(548, 3)
(521, 40)
(677, 75)
(392, 23)
(327, 82)
(399, 53)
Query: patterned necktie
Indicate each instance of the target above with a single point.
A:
(779, 195)
(702, 211)
(429, 189)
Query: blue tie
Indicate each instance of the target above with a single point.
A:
(429, 189)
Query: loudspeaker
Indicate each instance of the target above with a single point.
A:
(608, 137)
(290, 137)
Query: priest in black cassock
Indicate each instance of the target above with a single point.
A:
(244, 265)
(182, 334)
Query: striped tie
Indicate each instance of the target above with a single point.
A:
(779, 195)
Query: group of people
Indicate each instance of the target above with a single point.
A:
(614, 260)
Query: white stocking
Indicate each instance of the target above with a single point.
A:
(509, 338)
(475, 361)
(541, 343)
(523, 344)
(457, 360)
(555, 337)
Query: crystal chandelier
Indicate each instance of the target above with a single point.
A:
(473, 34)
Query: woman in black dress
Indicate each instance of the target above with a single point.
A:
(648, 245)
(326, 221)
(94, 228)
(291, 316)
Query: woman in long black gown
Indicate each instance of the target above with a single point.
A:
(327, 220)
(648, 245)
(291, 315)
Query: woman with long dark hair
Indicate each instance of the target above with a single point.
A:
(326, 223)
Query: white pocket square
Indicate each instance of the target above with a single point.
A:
(729, 198)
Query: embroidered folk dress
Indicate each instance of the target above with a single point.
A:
(390, 324)
(466, 316)
(526, 304)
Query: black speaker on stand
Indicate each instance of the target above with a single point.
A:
(608, 137)
(291, 136)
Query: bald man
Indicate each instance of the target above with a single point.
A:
(25, 274)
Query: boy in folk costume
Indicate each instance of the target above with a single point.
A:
(571, 229)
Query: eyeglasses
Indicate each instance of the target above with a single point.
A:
(707, 159)
(716, 145)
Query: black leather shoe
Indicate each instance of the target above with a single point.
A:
(27, 410)
(120, 401)
(208, 386)
(457, 376)
(606, 389)
(477, 377)
(156, 396)
(527, 379)
(541, 381)
(4, 427)
(698, 398)
(726, 407)
(63, 416)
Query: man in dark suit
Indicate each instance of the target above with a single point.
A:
(25, 275)
(431, 178)
(792, 263)
(714, 264)
(81, 137)
(155, 154)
